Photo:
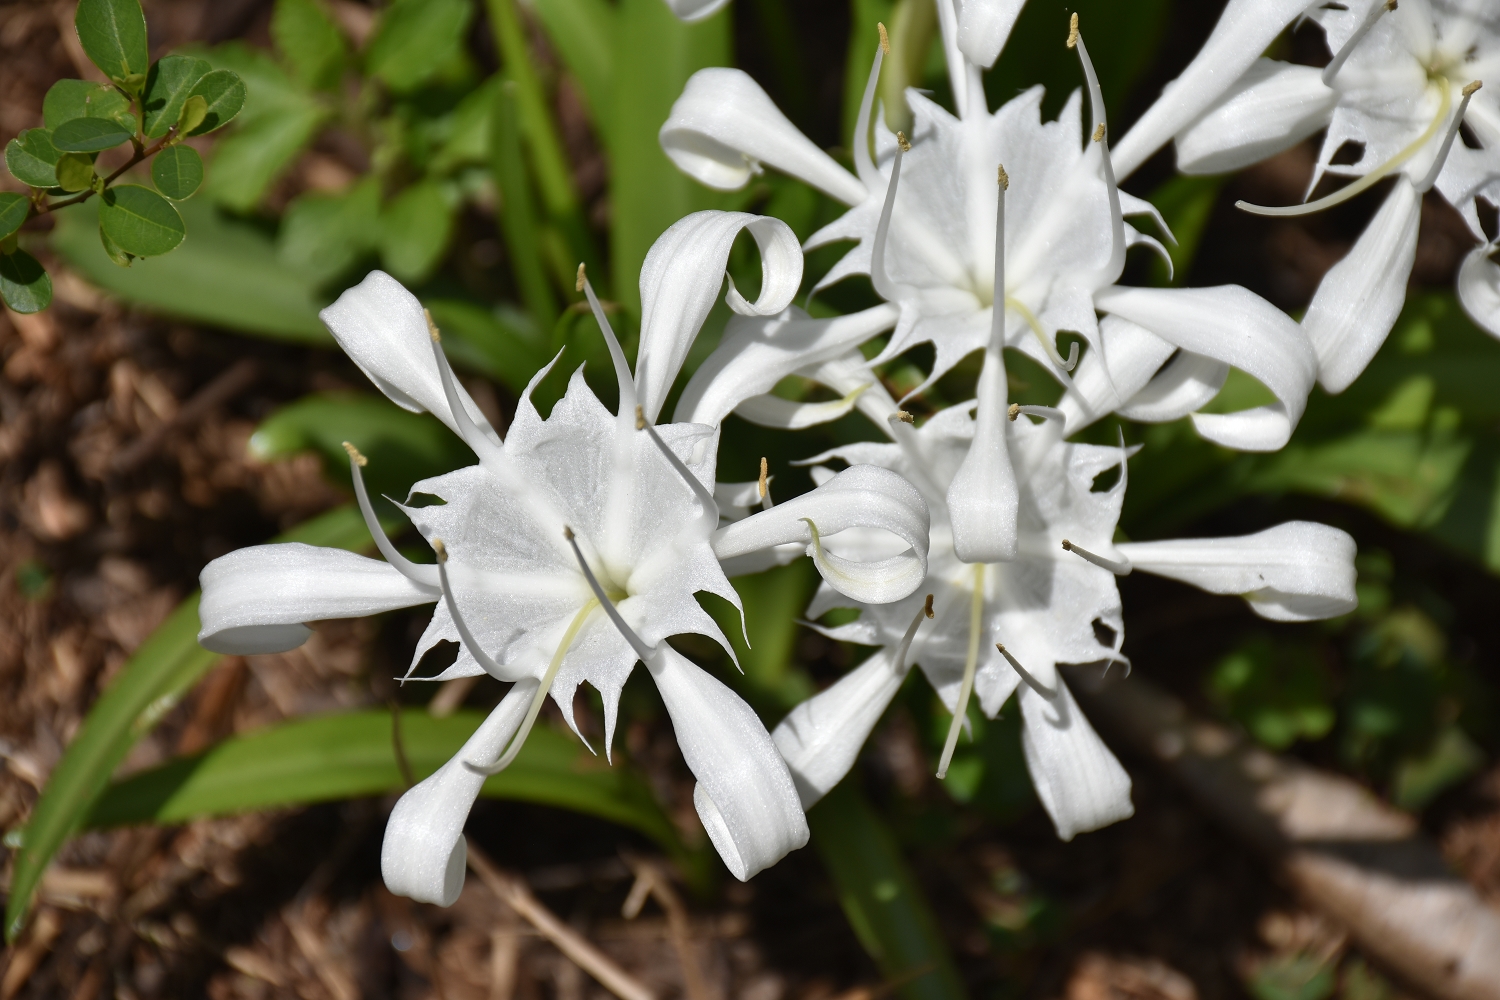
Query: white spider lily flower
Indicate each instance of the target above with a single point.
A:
(571, 551)
(1004, 628)
(1479, 288)
(695, 10)
(1402, 79)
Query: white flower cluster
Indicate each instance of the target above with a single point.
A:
(976, 545)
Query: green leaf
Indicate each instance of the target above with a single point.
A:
(177, 171)
(172, 79)
(194, 111)
(245, 164)
(310, 43)
(881, 898)
(505, 345)
(467, 130)
(232, 278)
(13, 210)
(75, 171)
(518, 211)
(113, 33)
(31, 158)
(69, 99)
(24, 284)
(342, 756)
(150, 684)
(415, 40)
(224, 92)
(89, 135)
(118, 256)
(322, 235)
(582, 31)
(140, 221)
(415, 229)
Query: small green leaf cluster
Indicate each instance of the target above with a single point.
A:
(151, 106)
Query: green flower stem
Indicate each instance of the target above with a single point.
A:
(517, 215)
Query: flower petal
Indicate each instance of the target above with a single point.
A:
(983, 27)
(1244, 31)
(1235, 326)
(757, 352)
(1297, 571)
(1081, 784)
(821, 737)
(424, 853)
(1272, 107)
(1358, 300)
(695, 10)
(1184, 385)
(860, 497)
(1127, 356)
(680, 281)
(1479, 289)
(255, 599)
(724, 126)
(380, 325)
(745, 796)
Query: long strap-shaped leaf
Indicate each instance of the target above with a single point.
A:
(165, 667)
(350, 754)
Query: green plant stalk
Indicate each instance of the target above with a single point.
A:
(881, 898)
(553, 174)
(151, 683)
(914, 23)
(517, 215)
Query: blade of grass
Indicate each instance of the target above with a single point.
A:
(582, 32)
(155, 678)
(517, 214)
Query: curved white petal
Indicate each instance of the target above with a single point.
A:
(784, 414)
(1272, 107)
(744, 796)
(1297, 571)
(984, 499)
(380, 325)
(1081, 784)
(1479, 289)
(860, 497)
(1244, 30)
(255, 599)
(1190, 381)
(695, 10)
(724, 126)
(1127, 357)
(1358, 300)
(983, 27)
(757, 352)
(680, 280)
(1235, 326)
(821, 737)
(424, 853)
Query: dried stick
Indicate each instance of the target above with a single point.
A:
(1344, 851)
(650, 880)
(514, 893)
(224, 387)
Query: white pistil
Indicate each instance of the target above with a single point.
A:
(645, 652)
(1442, 153)
(1025, 674)
(960, 712)
(1043, 337)
(1370, 179)
(1119, 567)
(423, 575)
(925, 611)
(878, 277)
(998, 296)
(705, 498)
(1377, 9)
(765, 485)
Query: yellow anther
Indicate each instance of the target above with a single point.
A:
(885, 40)
(1067, 545)
(927, 608)
(903, 142)
(578, 285)
(432, 329)
(354, 454)
(905, 417)
(1000, 646)
(567, 533)
(640, 417)
(1002, 176)
(1014, 411)
(440, 549)
(1471, 88)
(1073, 31)
(763, 471)
(1390, 5)
(1099, 133)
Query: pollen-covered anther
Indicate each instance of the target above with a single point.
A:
(1002, 177)
(640, 417)
(1025, 674)
(440, 549)
(567, 533)
(927, 608)
(355, 456)
(903, 142)
(1099, 133)
(924, 612)
(432, 330)
(906, 417)
(764, 469)
(582, 278)
(885, 39)
(1472, 88)
(1013, 412)
(1073, 30)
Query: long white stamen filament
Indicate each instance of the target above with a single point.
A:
(539, 697)
(925, 611)
(1045, 412)
(960, 711)
(998, 296)
(1119, 567)
(864, 164)
(1377, 9)
(489, 453)
(477, 651)
(904, 434)
(645, 652)
(1032, 682)
(1101, 137)
(705, 498)
(616, 352)
(414, 572)
(1370, 179)
(1442, 154)
(878, 277)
